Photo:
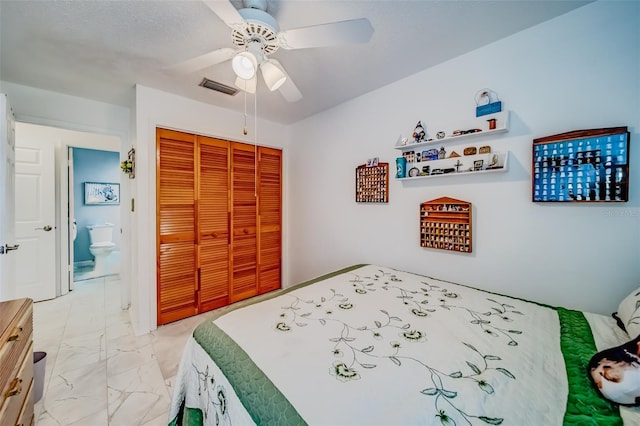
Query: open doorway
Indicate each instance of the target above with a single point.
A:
(94, 193)
(61, 278)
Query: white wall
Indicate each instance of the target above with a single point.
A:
(160, 109)
(43, 107)
(578, 71)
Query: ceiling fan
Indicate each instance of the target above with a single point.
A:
(256, 35)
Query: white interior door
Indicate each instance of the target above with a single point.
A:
(7, 183)
(35, 218)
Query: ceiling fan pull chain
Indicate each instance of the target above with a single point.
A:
(244, 129)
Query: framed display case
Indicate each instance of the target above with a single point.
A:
(582, 166)
(372, 183)
(445, 224)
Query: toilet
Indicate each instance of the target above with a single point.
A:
(101, 245)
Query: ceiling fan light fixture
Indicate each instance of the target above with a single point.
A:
(245, 65)
(272, 75)
(248, 86)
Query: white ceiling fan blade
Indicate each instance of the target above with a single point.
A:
(288, 90)
(203, 61)
(343, 32)
(248, 86)
(227, 12)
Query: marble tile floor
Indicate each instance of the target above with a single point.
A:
(97, 372)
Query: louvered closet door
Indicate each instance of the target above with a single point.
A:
(213, 215)
(176, 216)
(243, 223)
(269, 219)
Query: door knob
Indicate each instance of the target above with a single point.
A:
(46, 228)
(7, 248)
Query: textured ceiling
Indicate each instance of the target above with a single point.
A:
(100, 49)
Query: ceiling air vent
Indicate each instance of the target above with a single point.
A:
(218, 87)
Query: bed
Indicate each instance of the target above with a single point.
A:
(370, 345)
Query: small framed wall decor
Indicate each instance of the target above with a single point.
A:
(101, 193)
(582, 166)
(372, 183)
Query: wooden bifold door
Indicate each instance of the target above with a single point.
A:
(219, 222)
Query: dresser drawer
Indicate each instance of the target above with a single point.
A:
(25, 418)
(15, 394)
(16, 336)
(16, 362)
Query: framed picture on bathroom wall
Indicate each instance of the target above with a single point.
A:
(101, 193)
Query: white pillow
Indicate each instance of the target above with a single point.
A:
(629, 313)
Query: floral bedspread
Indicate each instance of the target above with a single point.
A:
(379, 346)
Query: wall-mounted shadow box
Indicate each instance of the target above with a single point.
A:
(582, 166)
(445, 224)
(372, 183)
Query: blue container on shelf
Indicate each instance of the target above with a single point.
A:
(401, 167)
(488, 109)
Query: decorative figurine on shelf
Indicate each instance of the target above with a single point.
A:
(458, 164)
(495, 162)
(440, 135)
(442, 153)
(418, 133)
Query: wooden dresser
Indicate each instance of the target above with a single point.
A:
(16, 362)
